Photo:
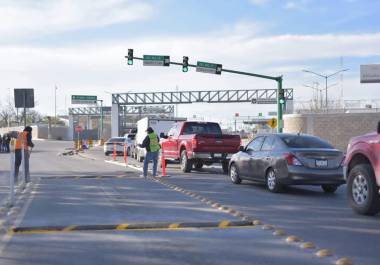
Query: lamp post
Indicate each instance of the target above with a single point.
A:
(55, 105)
(326, 77)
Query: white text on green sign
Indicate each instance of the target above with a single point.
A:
(156, 60)
(210, 68)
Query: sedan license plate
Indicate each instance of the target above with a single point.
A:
(217, 155)
(321, 163)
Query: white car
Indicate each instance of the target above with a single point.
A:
(113, 142)
(130, 140)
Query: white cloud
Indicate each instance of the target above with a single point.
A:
(27, 18)
(259, 2)
(93, 68)
(290, 5)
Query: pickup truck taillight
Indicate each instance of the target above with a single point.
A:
(194, 142)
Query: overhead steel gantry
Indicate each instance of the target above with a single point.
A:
(126, 110)
(265, 96)
(255, 96)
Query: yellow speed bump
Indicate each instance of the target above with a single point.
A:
(268, 227)
(122, 227)
(344, 261)
(279, 232)
(308, 245)
(257, 222)
(69, 228)
(324, 253)
(173, 226)
(224, 224)
(293, 239)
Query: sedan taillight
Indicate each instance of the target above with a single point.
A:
(292, 160)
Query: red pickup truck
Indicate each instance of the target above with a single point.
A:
(198, 143)
(362, 171)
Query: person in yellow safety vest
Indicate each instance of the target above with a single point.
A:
(152, 145)
(23, 141)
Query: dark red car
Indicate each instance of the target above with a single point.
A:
(195, 144)
(362, 171)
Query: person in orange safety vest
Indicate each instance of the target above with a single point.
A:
(23, 141)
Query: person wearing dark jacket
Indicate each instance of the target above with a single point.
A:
(152, 145)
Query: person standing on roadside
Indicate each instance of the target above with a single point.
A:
(152, 145)
(6, 142)
(23, 141)
(1, 144)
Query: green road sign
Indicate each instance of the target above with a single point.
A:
(82, 99)
(210, 68)
(156, 60)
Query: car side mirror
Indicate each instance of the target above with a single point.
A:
(241, 148)
(163, 135)
(378, 127)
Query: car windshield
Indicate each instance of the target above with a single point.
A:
(304, 141)
(116, 140)
(203, 128)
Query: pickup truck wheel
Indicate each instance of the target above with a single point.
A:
(186, 164)
(106, 153)
(234, 174)
(362, 190)
(139, 158)
(198, 165)
(225, 167)
(272, 182)
(329, 188)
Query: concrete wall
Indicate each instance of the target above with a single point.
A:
(336, 128)
(41, 132)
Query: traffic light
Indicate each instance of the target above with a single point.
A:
(130, 56)
(281, 96)
(185, 64)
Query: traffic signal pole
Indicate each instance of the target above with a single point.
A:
(278, 79)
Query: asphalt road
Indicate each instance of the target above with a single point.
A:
(85, 190)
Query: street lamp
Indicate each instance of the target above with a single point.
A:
(326, 77)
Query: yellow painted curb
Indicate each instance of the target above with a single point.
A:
(293, 239)
(268, 227)
(308, 245)
(324, 253)
(279, 232)
(344, 261)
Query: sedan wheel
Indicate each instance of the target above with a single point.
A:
(272, 182)
(234, 174)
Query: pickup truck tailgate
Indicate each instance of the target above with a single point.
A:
(216, 143)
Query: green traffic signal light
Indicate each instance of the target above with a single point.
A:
(130, 57)
(130, 62)
(282, 101)
(185, 64)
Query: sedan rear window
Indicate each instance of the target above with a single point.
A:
(303, 141)
(116, 140)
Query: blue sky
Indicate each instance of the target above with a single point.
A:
(79, 45)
